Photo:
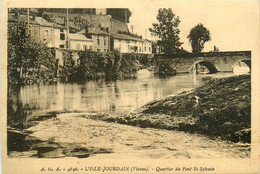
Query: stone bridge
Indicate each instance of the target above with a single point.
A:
(213, 61)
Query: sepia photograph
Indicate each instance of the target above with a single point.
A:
(140, 82)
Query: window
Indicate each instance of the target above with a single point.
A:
(85, 47)
(149, 49)
(98, 41)
(140, 50)
(45, 35)
(62, 46)
(61, 30)
(104, 37)
(144, 48)
(105, 42)
(62, 36)
(78, 46)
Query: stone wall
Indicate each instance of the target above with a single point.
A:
(105, 21)
(183, 63)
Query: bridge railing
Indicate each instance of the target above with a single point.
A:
(203, 54)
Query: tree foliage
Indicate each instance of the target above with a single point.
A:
(167, 30)
(198, 36)
(28, 61)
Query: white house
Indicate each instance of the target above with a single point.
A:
(80, 42)
(129, 44)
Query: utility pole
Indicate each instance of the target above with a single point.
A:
(67, 16)
(28, 18)
(126, 15)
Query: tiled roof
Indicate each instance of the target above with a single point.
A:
(44, 22)
(81, 37)
(22, 18)
(98, 31)
(93, 30)
(125, 37)
(37, 21)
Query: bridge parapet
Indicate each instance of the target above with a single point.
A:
(221, 61)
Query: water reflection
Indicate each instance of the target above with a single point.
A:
(117, 97)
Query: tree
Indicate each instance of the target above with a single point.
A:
(167, 30)
(27, 59)
(198, 36)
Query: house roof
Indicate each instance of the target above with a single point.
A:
(81, 37)
(22, 18)
(126, 37)
(45, 23)
(98, 31)
(37, 21)
(93, 30)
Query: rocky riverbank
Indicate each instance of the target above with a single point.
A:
(220, 109)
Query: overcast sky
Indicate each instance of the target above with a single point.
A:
(232, 24)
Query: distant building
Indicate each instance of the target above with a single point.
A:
(52, 34)
(128, 44)
(101, 39)
(80, 42)
(93, 37)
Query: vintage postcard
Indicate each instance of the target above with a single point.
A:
(90, 86)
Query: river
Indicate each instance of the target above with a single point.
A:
(118, 97)
(77, 135)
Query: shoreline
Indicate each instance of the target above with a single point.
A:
(221, 108)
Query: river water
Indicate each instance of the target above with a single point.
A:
(121, 96)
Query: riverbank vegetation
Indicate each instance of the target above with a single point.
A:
(221, 108)
(30, 62)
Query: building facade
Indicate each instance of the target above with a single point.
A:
(128, 44)
(80, 42)
(100, 38)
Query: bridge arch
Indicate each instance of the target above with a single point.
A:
(210, 66)
(242, 65)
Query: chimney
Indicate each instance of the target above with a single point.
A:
(86, 30)
(34, 17)
(17, 15)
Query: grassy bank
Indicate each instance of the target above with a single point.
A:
(220, 108)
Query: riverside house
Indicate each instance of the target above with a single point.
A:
(104, 41)
(128, 44)
(54, 35)
(101, 39)
(80, 42)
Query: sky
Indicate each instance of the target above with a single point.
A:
(233, 25)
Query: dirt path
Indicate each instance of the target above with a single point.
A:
(77, 135)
